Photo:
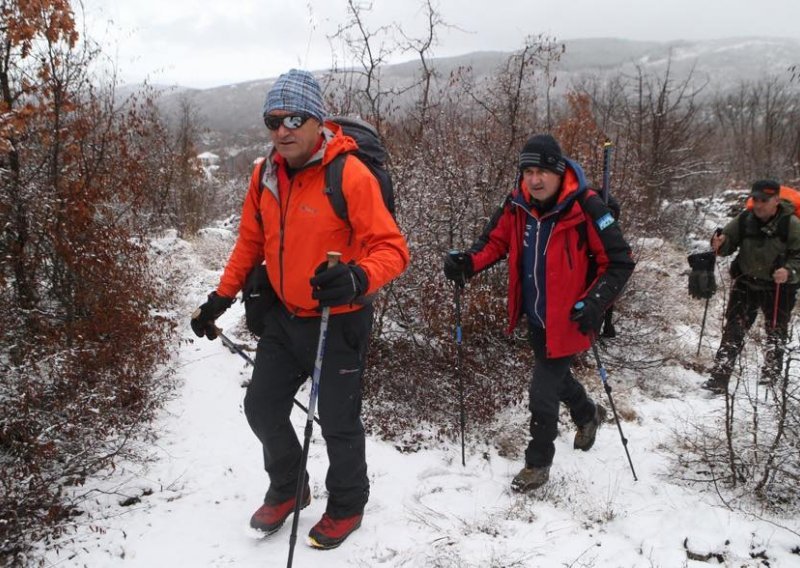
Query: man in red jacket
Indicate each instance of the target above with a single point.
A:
(288, 222)
(567, 263)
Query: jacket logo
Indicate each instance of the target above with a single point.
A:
(308, 209)
(605, 221)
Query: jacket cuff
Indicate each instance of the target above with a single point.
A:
(360, 280)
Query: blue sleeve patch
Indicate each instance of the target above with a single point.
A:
(605, 221)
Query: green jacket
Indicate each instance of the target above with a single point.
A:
(760, 244)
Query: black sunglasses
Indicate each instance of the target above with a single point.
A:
(290, 121)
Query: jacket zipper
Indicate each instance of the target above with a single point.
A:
(535, 262)
(566, 248)
(284, 213)
(535, 267)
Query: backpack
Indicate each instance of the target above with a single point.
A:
(372, 154)
(786, 193)
(583, 237)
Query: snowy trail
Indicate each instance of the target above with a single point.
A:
(425, 509)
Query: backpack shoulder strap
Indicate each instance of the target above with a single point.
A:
(741, 220)
(782, 230)
(261, 167)
(334, 173)
(592, 205)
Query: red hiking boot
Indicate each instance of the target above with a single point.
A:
(330, 533)
(269, 518)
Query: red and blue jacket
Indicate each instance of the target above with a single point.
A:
(572, 251)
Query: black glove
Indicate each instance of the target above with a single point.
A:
(458, 267)
(338, 285)
(702, 284)
(204, 317)
(589, 315)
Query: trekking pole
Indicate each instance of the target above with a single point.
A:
(775, 306)
(717, 232)
(333, 260)
(459, 287)
(608, 148)
(607, 387)
(236, 349)
(605, 192)
(227, 342)
(779, 262)
(702, 328)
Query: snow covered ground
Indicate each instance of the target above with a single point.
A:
(190, 505)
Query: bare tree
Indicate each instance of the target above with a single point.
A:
(363, 89)
(759, 130)
(662, 139)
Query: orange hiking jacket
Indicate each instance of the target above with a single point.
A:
(299, 226)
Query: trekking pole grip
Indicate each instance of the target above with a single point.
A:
(333, 258)
(456, 254)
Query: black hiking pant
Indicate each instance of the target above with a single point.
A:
(284, 360)
(743, 306)
(552, 383)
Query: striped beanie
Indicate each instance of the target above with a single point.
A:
(542, 151)
(296, 91)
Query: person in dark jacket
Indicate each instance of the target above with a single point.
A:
(556, 233)
(765, 277)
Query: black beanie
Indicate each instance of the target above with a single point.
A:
(542, 151)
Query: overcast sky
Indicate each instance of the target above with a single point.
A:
(205, 43)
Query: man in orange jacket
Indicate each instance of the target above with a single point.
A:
(289, 223)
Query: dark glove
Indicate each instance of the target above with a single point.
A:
(458, 267)
(339, 285)
(609, 331)
(702, 284)
(703, 261)
(204, 317)
(589, 315)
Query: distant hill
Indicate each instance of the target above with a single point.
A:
(232, 112)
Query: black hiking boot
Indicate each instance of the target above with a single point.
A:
(530, 478)
(586, 434)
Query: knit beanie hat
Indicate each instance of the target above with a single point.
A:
(296, 91)
(542, 151)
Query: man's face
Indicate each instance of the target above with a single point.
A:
(765, 209)
(541, 183)
(295, 145)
